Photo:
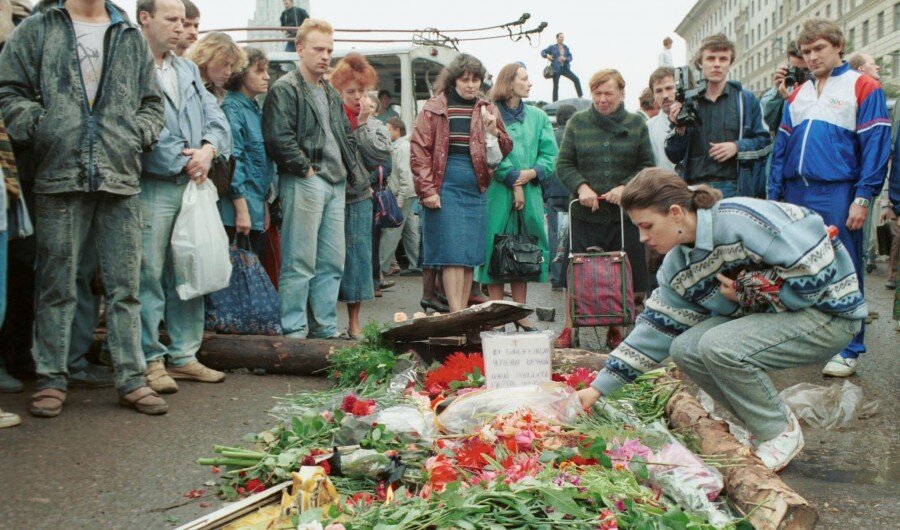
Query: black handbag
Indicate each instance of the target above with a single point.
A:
(516, 257)
(548, 71)
(221, 172)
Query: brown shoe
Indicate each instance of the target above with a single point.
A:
(47, 403)
(194, 371)
(158, 379)
(145, 401)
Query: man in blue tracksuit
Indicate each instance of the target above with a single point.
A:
(832, 150)
(727, 149)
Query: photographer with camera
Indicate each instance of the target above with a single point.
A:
(720, 140)
(832, 151)
(785, 80)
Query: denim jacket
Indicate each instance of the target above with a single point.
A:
(253, 171)
(553, 51)
(199, 119)
(78, 147)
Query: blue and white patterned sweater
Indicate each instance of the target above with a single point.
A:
(734, 235)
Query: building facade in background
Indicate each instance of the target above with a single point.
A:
(267, 14)
(761, 30)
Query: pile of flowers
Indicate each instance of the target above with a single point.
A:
(515, 469)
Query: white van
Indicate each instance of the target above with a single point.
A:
(407, 72)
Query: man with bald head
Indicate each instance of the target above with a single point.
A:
(194, 133)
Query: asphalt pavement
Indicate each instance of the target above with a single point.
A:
(100, 466)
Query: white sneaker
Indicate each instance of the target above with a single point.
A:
(779, 451)
(840, 366)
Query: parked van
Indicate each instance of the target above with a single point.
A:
(407, 72)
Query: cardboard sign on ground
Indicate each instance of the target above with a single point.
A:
(517, 359)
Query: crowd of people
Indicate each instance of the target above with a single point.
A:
(108, 121)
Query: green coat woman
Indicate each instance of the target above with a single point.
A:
(519, 175)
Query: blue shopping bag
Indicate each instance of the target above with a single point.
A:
(249, 305)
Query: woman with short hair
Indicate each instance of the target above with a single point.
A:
(218, 57)
(602, 149)
(245, 210)
(353, 77)
(448, 158)
(747, 286)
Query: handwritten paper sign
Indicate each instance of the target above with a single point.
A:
(516, 359)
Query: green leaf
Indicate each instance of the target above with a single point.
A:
(464, 524)
(297, 425)
(376, 434)
(548, 456)
(562, 500)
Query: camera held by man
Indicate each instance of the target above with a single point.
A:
(687, 93)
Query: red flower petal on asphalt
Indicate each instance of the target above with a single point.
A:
(195, 494)
(216, 470)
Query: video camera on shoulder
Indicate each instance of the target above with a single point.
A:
(795, 76)
(687, 93)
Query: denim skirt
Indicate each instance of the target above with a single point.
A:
(453, 235)
(356, 283)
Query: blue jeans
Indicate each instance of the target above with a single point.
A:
(729, 358)
(66, 224)
(160, 204)
(312, 255)
(85, 312)
(727, 187)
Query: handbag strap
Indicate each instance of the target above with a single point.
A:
(621, 227)
(520, 222)
(380, 177)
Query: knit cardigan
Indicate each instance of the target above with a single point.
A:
(737, 234)
(602, 152)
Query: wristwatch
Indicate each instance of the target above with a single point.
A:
(859, 201)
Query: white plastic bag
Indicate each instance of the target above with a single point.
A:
(551, 401)
(200, 244)
(828, 407)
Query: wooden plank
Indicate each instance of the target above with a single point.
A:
(477, 318)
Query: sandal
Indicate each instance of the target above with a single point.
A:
(145, 401)
(47, 403)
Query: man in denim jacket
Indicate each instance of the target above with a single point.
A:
(195, 132)
(77, 87)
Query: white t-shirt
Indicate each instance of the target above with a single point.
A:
(665, 58)
(89, 44)
(658, 127)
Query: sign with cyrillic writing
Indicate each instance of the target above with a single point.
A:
(516, 359)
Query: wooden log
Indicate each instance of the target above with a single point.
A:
(753, 488)
(285, 355)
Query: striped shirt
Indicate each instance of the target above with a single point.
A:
(737, 234)
(459, 112)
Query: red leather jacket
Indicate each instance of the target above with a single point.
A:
(430, 144)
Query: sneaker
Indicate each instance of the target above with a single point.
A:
(158, 379)
(386, 284)
(779, 451)
(564, 340)
(8, 419)
(9, 384)
(841, 366)
(194, 371)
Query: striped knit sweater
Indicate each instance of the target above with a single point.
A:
(459, 111)
(734, 235)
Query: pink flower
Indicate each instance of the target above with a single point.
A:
(525, 440)
(523, 466)
(623, 453)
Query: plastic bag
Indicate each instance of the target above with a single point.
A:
(551, 401)
(828, 407)
(200, 244)
(404, 419)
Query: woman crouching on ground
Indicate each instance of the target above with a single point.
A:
(747, 286)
